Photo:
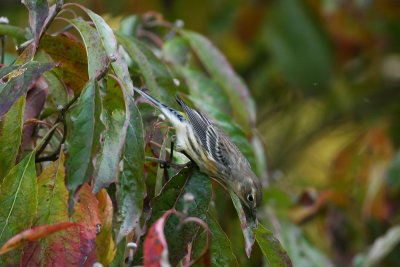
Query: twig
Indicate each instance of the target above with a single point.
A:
(3, 48)
(166, 162)
(61, 118)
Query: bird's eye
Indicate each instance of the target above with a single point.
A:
(250, 198)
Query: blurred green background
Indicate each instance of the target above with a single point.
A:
(325, 75)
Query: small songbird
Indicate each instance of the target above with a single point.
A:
(212, 150)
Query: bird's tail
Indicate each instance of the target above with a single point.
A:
(172, 115)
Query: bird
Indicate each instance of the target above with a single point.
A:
(212, 150)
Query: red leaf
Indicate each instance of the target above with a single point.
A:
(155, 245)
(73, 246)
(34, 234)
(104, 242)
(87, 212)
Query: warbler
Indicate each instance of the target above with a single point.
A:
(212, 150)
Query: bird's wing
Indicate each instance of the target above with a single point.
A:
(208, 134)
(197, 120)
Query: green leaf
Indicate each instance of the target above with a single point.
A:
(18, 200)
(110, 45)
(119, 258)
(176, 50)
(160, 171)
(52, 194)
(107, 164)
(57, 89)
(84, 140)
(382, 246)
(221, 71)
(156, 75)
(71, 57)
(271, 248)
(26, 55)
(19, 82)
(393, 172)
(10, 136)
(247, 221)
(52, 209)
(131, 189)
(129, 25)
(38, 12)
(220, 248)
(188, 181)
(13, 31)
(305, 62)
(114, 98)
(97, 58)
(301, 252)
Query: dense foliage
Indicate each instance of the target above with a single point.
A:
(324, 76)
(77, 182)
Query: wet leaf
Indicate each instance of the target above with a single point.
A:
(19, 82)
(38, 12)
(131, 189)
(110, 45)
(107, 164)
(221, 71)
(104, 241)
(96, 56)
(34, 234)
(84, 140)
(271, 248)
(10, 136)
(18, 200)
(248, 223)
(71, 57)
(156, 75)
(221, 253)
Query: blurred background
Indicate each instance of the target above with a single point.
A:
(325, 75)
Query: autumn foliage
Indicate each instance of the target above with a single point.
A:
(76, 187)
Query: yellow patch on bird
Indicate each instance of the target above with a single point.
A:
(211, 166)
(184, 114)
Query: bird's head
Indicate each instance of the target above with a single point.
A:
(249, 190)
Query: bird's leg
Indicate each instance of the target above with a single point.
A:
(168, 162)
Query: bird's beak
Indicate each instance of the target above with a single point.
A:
(254, 213)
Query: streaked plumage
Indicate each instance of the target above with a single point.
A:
(212, 150)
